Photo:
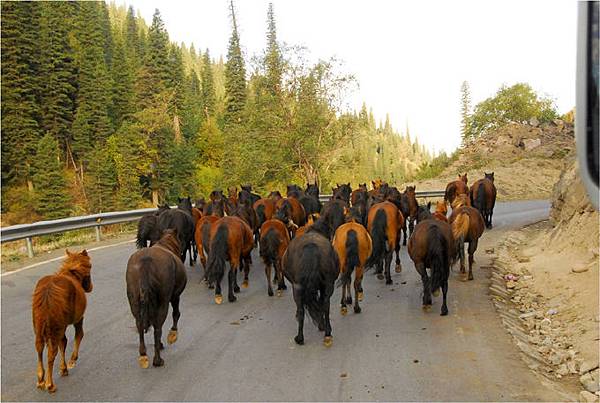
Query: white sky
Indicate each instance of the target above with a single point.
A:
(410, 57)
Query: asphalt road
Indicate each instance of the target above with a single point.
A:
(244, 351)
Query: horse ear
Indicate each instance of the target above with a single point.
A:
(84, 253)
(67, 252)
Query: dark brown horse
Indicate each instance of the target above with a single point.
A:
(342, 192)
(59, 301)
(155, 277)
(483, 197)
(202, 238)
(408, 207)
(358, 193)
(384, 223)
(147, 230)
(353, 246)
(312, 266)
(467, 226)
(274, 240)
(293, 210)
(264, 208)
(230, 240)
(432, 246)
(455, 188)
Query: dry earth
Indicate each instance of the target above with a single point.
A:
(545, 287)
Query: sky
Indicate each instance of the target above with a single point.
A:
(409, 57)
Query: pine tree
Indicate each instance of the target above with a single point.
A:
(123, 77)
(465, 111)
(132, 37)
(101, 179)
(20, 90)
(235, 77)
(155, 75)
(51, 193)
(208, 86)
(57, 66)
(92, 125)
(273, 59)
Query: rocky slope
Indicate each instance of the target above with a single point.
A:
(545, 286)
(527, 159)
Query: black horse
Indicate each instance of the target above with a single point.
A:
(342, 192)
(253, 196)
(181, 220)
(155, 277)
(334, 212)
(312, 266)
(310, 199)
(148, 228)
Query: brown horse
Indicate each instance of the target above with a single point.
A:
(353, 245)
(455, 188)
(312, 266)
(357, 193)
(264, 208)
(59, 301)
(309, 223)
(483, 197)
(155, 277)
(274, 240)
(202, 238)
(292, 209)
(432, 246)
(441, 209)
(467, 226)
(408, 207)
(384, 222)
(230, 240)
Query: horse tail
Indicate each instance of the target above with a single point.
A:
(481, 202)
(205, 237)
(460, 229)
(437, 252)
(147, 294)
(310, 280)
(269, 247)
(143, 233)
(379, 237)
(215, 267)
(260, 213)
(352, 259)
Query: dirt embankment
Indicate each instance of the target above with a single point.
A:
(527, 159)
(546, 289)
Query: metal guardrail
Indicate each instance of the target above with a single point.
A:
(29, 231)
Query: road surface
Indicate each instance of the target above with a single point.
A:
(244, 351)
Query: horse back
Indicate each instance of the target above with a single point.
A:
(58, 301)
(476, 223)
(418, 243)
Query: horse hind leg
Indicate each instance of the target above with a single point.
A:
(39, 347)
(231, 283)
(472, 249)
(388, 262)
(343, 309)
(63, 371)
(143, 358)
(299, 338)
(427, 301)
(398, 268)
(172, 337)
(78, 337)
(268, 275)
(328, 340)
(444, 311)
(52, 350)
(358, 274)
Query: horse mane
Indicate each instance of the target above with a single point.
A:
(459, 201)
(169, 241)
(77, 264)
(441, 208)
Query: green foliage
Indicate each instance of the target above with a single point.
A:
(235, 78)
(436, 166)
(208, 87)
(52, 200)
(101, 181)
(465, 111)
(517, 103)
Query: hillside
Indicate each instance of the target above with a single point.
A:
(527, 159)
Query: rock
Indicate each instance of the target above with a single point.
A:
(545, 324)
(510, 284)
(580, 268)
(556, 359)
(587, 366)
(562, 370)
(589, 383)
(489, 250)
(558, 122)
(530, 144)
(587, 397)
(534, 122)
(523, 259)
(572, 366)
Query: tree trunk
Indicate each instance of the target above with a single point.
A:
(155, 197)
(29, 185)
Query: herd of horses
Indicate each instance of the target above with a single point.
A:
(314, 246)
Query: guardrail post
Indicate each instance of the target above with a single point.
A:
(98, 234)
(29, 247)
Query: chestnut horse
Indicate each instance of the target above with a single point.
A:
(59, 301)
(357, 194)
(312, 266)
(264, 208)
(408, 207)
(353, 245)
(230, 240)
(483, 197)
(455, 188)
(384, 223)
(432, 246)
(467, 226)
(441, 209)
(274, 240)
(293, 210)
(155, 277)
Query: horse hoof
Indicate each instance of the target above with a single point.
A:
(436, 293)
(218, 299)
(299, 340)
(232, 298)
(328, 341)
(398, 268)
(71, 364)
(64, 372)
(344, 311)
(41, 385)
(360, 296)
(245, 284)
(380, 276)
(236, 289)
(389, 281)
(158, 362)
(211, 287)
(279, 293)
(444, 312)
(470, 277)
(270, 292)
(51, 388)
(143, 361)
(172, 337)
(427, 308)
(357, 309)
